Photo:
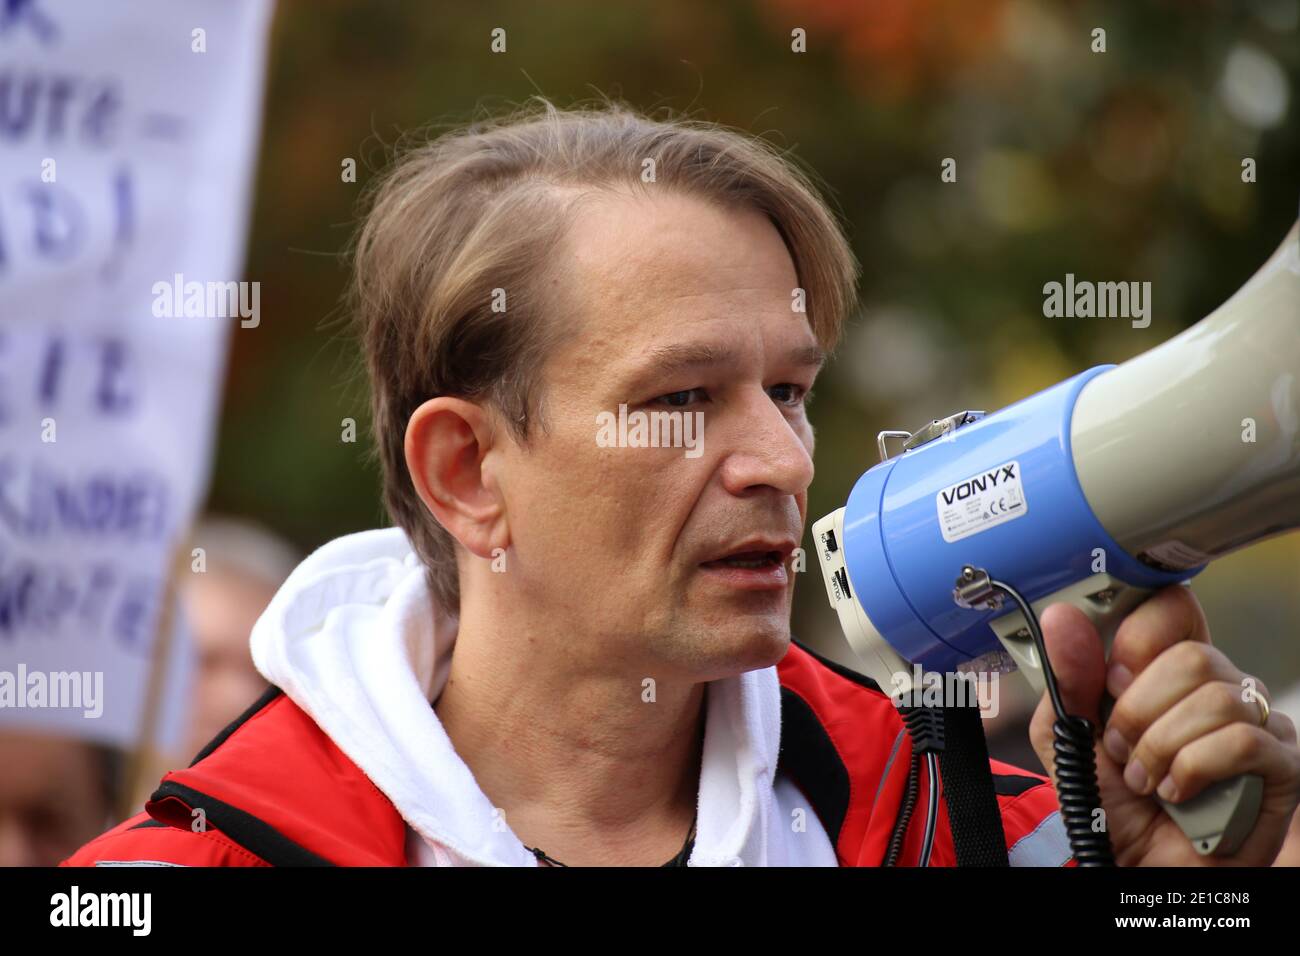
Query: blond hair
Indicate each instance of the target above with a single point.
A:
(482, 208)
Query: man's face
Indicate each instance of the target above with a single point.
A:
(223, 605)
(51, 798)
(619, 543)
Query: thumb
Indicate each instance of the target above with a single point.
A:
(1078, 660)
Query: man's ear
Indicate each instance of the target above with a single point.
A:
(447, 442)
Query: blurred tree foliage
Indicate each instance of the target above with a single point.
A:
(1116, 165)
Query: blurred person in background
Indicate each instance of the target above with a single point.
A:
(245, 564)
(55, 794)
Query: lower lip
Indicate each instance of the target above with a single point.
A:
(772, 577)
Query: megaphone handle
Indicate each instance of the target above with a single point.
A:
(1219, 818)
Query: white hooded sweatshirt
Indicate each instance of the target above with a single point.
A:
(353, 638)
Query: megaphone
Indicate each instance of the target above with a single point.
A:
(1096, 492)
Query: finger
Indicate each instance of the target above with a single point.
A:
(1040, 734)
(1211, 706)
(1078, 659)
(1229, 752)
(1282, 727)
(1172, 677)
(1075, 651)
(1171, 615)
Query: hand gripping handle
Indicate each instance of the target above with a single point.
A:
(1219, 818)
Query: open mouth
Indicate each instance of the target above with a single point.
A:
(755, 560)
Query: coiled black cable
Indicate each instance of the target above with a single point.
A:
(1076, 759)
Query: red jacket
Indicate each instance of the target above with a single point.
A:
(273, 790)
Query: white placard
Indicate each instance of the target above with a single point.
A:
(128, 133)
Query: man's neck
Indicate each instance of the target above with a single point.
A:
(588, 763)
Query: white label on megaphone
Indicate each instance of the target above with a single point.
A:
(981, 501)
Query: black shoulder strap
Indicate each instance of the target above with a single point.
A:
(973, 814)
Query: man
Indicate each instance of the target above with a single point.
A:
(623, 688)
(56, 793)
(245, 566)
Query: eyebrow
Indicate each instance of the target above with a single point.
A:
(671, 359)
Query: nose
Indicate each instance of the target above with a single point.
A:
(766, 451)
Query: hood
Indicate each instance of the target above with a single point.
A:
(354, 639)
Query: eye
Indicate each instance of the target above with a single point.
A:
(678, 399)
(787, 393)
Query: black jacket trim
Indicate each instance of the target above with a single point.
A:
(253, 834)
(147, 825)
(1014, 784)
(810, 757)
(267, 697)
(808, 754)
